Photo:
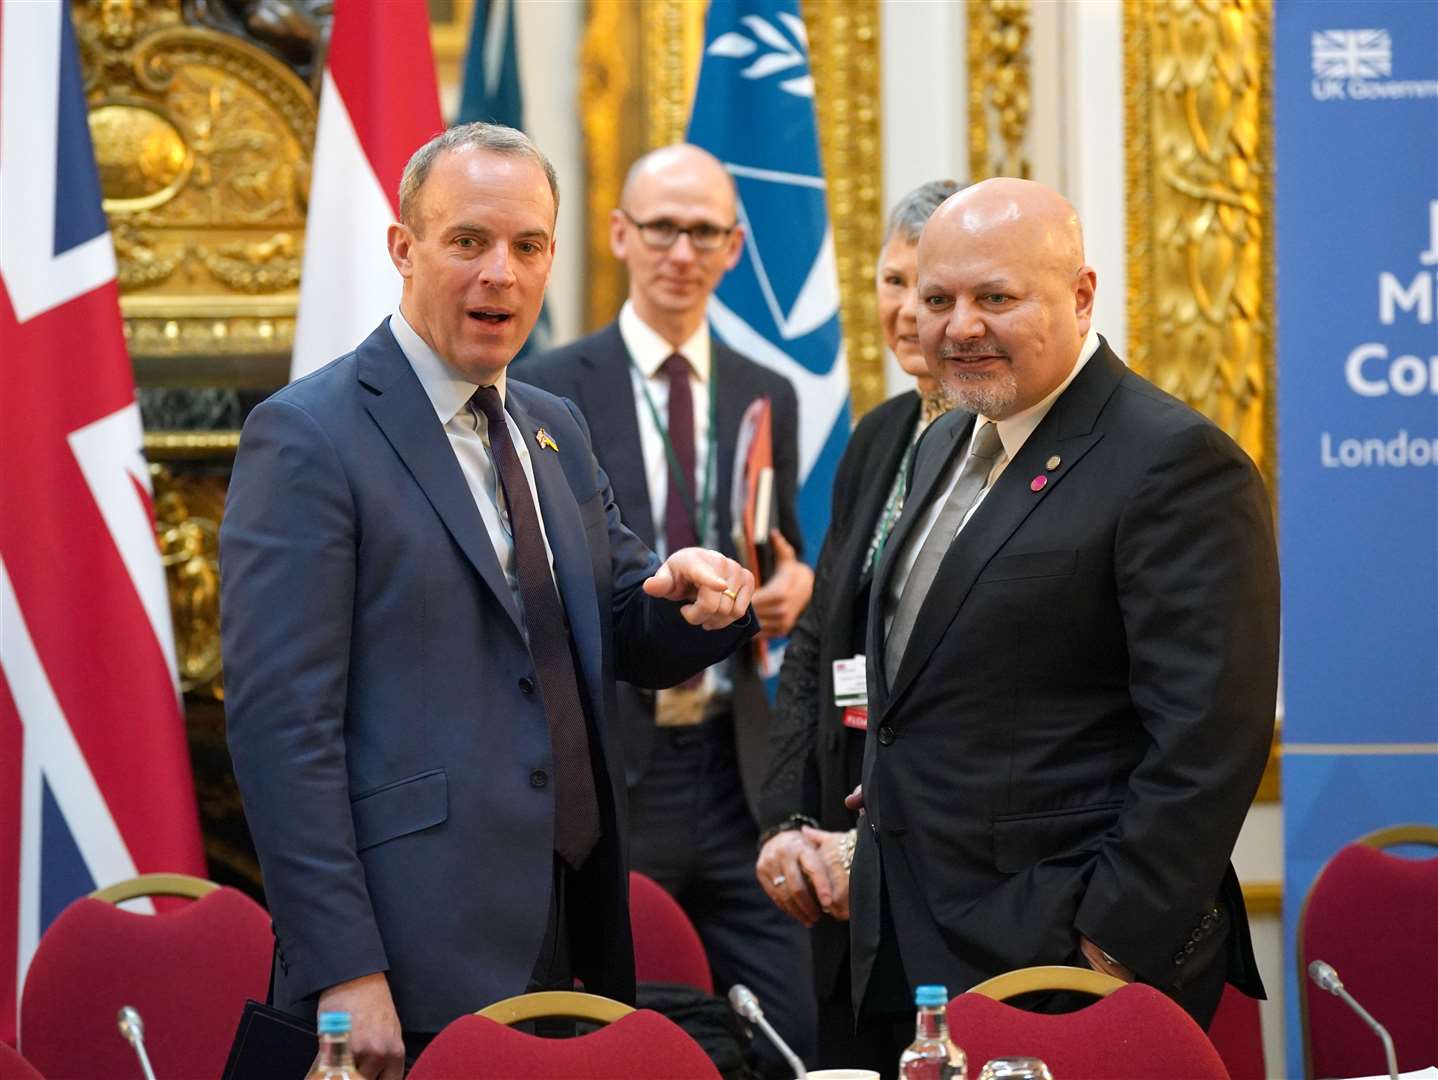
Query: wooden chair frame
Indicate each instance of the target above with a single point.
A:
(562, 1003)
(191, 888)
(1387, 837)
(1048, 977)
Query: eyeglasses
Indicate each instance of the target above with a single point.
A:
(663, 233)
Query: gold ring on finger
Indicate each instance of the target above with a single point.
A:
(731, 594)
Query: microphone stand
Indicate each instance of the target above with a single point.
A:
(1327, 978)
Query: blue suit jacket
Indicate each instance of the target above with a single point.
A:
(388, 739)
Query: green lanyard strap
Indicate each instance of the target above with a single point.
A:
(699, 515)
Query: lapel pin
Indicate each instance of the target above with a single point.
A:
(1053, 463)
(1038, 482)
(544, 439)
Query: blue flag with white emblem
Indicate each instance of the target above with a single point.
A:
(754, 111)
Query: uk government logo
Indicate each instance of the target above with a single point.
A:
(1357, 65)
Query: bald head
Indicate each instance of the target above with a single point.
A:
(680, 167)
(1041, 223)
(1005, 299)
(675, 229)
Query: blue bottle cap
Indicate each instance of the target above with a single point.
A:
(334, 1023)
(931, 994)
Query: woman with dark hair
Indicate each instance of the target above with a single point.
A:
(816, 743)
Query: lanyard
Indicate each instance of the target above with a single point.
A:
(699, 514)
(893, 507)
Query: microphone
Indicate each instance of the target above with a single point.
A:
(1327, 979)
(133, 1028)
(747, 1005)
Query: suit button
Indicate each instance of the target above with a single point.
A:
(886, 735)
(526, 684)
(538, 778)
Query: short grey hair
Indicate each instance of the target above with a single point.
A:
(909, 215)
(494, 138)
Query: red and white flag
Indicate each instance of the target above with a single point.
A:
(378, 105)
(95, 782)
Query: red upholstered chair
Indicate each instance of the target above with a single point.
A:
(1135, 1031)
(187, 971)
(634, 1045)
(1236, 1032)
(1370, 914)
(667, 948)
(14, 1067)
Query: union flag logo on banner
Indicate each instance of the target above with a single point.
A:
(95, 782)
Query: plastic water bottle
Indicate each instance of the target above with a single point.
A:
(932, 1055)
(335, 1062)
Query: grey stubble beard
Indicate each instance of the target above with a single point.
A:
(985, 394)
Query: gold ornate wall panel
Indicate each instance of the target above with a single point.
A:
(188, 509)
(639, 63)
(1198, 132)
(1000, 99)
(844, 58)
(203, 144)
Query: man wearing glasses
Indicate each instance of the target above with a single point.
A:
(664, 402)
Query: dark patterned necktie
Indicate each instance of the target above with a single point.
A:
(679, 511)
(576, 808)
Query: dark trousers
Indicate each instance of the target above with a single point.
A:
(691, 831)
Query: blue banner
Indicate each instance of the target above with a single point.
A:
(1356, 200)
(754, 110)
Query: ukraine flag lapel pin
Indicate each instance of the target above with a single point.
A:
(544, 439)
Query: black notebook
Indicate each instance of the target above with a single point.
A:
(270, 1045)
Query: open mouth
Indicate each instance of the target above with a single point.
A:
(491, 316)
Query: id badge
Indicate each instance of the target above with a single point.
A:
(851, 686)
(681, 706)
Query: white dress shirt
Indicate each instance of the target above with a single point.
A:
(649, 350)
(468, 431)
(1014, 431)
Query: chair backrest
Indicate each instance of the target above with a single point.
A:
(14, 1067)
(1370, 914)
(1047, 977)
(1134, 1031)
(1236, 1032)
(667, 948)
(641, 1044)
(187, 971)
(565, 1003)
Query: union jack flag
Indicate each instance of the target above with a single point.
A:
(1352, 54)
(95, 781)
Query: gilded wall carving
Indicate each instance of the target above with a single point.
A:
(1198, 132)
(844, 59)
(188, 508)
(202, 142)
(1000, 99)
(639, 65)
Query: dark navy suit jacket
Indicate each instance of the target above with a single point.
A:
(388, 739)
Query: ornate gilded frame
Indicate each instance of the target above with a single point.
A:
(1198, 120)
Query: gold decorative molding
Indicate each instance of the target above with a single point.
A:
(203, 145)
(180, 445)
(188, 508)
(844, 60)
(672, 36)
(1198, 135)
(1000, 100)
(608, 56)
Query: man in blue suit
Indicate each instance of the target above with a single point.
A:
(428, 596)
